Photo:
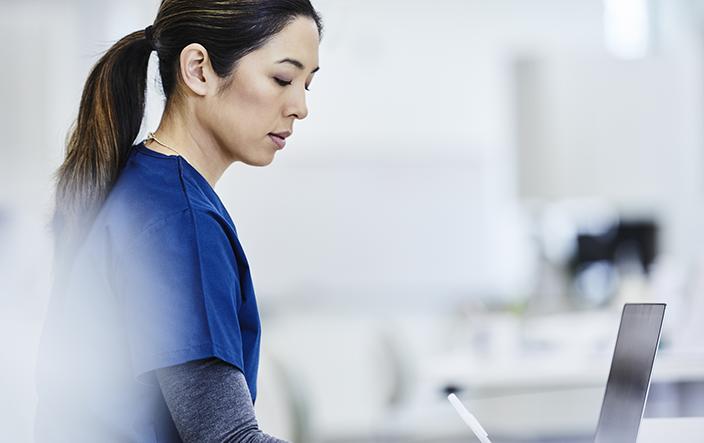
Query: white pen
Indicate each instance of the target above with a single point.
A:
(469, 419)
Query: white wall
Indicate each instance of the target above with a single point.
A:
(34, 114)
(403, 181)
(628, 132)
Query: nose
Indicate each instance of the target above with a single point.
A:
(297, 107)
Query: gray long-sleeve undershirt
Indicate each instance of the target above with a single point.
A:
(210, 403)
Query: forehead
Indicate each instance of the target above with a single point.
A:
(297, 41)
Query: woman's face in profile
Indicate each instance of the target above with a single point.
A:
(254, 114)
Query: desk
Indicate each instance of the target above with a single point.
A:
(675, 430)
(549, 372)
(546, 393)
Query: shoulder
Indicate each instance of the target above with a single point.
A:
(159, 195)
(154, 186)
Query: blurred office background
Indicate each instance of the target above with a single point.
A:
(479, 187)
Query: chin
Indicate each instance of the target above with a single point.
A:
(260, 162)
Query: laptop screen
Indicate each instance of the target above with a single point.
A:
(629, 379)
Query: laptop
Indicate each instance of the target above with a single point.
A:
(629, 378)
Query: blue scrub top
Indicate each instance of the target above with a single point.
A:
(160, 280)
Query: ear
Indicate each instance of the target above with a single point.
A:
(196, 71)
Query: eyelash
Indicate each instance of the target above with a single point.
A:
(286, 83)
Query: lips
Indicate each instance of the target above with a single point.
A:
(279, 138)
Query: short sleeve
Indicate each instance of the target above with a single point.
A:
(180, 284)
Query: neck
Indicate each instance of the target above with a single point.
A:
(193, 143)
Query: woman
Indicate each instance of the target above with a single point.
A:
(152, 333)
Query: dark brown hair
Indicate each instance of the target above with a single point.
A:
(112, 105)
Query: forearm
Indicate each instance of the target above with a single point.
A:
(210, 403)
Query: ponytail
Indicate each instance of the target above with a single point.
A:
(109, 119)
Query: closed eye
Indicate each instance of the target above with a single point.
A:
(283, 82)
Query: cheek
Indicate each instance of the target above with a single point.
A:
(255, 99)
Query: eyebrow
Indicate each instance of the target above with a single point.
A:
(297, 64)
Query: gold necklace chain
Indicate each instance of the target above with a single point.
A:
(152, 137)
